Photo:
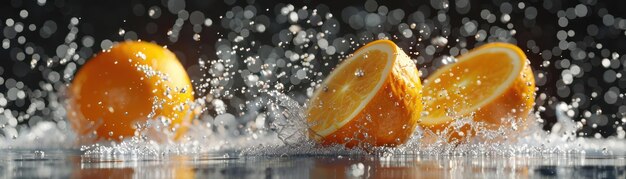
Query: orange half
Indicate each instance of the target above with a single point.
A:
(493, 83)
(372, 98)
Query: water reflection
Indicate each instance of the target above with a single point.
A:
(63, 164)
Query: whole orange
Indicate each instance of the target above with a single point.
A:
(128, 85)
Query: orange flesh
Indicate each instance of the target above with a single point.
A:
(459, 89)
(346, 92)
(503, 97)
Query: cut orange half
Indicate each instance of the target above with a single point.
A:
(372, 98)
(493, 83)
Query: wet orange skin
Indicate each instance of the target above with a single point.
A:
(111, 94)
(520, 96)
(400, 121)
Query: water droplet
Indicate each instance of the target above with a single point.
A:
(439, 41)
(279, 86)
(196, 37)
(40, 154)
(166, 121)
(359, 73)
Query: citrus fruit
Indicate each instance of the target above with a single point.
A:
(129, 84)
(373, 98)
(493, 84)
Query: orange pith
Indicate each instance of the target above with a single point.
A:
(493, 83)
(372, 98)
(126, 85)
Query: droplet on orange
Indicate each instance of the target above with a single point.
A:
(492, 84)
(372, 99)
(125, 86)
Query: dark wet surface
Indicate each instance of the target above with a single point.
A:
(64, 164)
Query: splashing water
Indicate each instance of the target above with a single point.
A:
(252, 90)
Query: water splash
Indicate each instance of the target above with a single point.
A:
(252, 95)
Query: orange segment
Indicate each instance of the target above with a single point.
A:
(372, 98)
(493, 82)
